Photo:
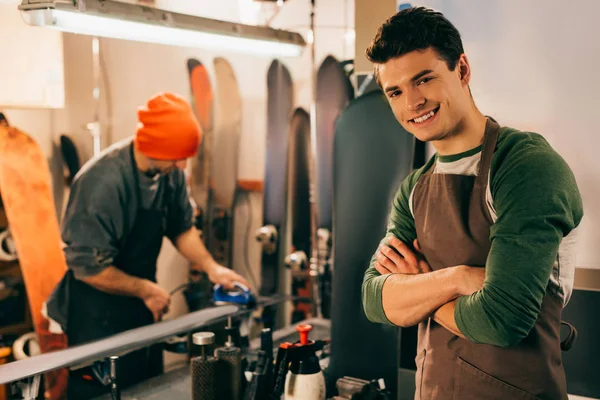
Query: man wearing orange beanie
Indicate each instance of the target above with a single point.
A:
(122, 203)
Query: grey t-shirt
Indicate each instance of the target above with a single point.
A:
(102, 208)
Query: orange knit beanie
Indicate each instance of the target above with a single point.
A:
(167, 129)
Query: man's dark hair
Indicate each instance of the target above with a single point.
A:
(416, 28)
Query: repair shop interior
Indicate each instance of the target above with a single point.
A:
(299, 200)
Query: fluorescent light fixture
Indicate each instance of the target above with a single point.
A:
(114, 19)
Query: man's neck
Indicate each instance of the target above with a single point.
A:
(140, 160)
(468, 136)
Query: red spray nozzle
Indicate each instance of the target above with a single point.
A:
(303, 330)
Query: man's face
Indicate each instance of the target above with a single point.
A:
(428, 99)
(165, 166)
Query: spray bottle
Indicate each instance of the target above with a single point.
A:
(297, 371)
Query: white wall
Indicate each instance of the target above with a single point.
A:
(534, 67)
(31, 71)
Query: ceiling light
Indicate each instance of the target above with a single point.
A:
(114, 19)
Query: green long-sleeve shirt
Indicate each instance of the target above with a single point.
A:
(536, 206)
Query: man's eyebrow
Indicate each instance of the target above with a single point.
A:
(421, 74)
(413, 79)
(391, 88)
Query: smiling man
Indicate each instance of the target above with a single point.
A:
(479, 249)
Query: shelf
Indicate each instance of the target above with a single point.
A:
(11, 268)
(17, 329)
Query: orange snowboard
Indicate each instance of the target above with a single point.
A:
(26, 189)
(202, 100)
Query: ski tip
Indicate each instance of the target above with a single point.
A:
(3, 120)
(221, 61)
(330, 59)
(275, 72)
(300, 113)
(275, 64)
(192, 63)
(328, 62)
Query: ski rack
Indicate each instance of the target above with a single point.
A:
(120, 344)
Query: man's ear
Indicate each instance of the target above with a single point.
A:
(464, 69)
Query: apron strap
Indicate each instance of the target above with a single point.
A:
(566, 344)
(490, 138)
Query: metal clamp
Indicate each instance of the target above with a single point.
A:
(267, 236)
(298, 263)
(8, 250)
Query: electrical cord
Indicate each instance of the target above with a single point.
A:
(178, 288)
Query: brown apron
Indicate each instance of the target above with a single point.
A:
(453, 228)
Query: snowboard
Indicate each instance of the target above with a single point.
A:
(299, 180)
(280, 100)
(199, 291)
(3, 120)
(202, 102)
(224, 162)
(8, 252)
(27, 196)
(372, 156)
(273, 234)
(333, 92)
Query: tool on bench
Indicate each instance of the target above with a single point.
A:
(239, 296)
(360, 389)
(298, 373)
(261, 383)
(205, 369)
(231, 365)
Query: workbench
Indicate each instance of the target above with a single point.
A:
(176, 384)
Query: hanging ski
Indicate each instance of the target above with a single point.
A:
(280, 99)
(333, 94)
(224, 162)
(299, 164)
(198, 293)
(202, 102)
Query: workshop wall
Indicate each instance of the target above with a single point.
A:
(534, 68)
(133, 71)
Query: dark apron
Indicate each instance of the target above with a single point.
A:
(94, 314)
(453, 228)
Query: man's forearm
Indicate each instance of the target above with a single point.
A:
(191, 247)
(114, 281)
(445, 317)
(409, 299)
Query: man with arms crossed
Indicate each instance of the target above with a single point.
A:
(479, 246)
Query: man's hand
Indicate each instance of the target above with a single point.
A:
(190, 245)
(398, 258)
(156, 299)
(218, 274)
